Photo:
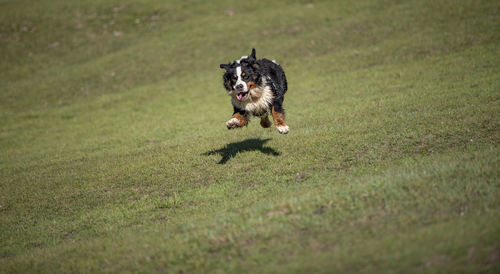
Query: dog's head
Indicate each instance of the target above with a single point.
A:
(242, 76)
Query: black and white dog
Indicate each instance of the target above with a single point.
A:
(256, 87)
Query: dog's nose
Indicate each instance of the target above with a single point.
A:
(240, 86)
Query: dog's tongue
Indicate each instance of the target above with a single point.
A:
(239, 95)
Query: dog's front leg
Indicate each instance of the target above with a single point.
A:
(238, 120)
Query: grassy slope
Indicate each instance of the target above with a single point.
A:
(109, 112)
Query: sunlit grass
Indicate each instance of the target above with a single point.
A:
(114, 155)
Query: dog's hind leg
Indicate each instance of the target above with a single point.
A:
(264, 122)
(279, 120)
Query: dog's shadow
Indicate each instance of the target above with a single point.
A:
(230, 150)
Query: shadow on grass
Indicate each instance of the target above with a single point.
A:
(230, 150)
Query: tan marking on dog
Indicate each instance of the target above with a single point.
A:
(279, 122)
(242, 119)
(250, 85)
(279, 118)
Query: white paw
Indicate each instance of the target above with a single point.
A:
(283, 129)
(232, 123)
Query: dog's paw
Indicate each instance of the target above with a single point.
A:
(233, 123)
(283, 129)
(264, 122)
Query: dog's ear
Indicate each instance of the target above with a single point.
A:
(253, 54)
(225, 66)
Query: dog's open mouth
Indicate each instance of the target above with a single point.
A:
(242, 95)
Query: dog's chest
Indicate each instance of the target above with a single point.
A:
(259, 101)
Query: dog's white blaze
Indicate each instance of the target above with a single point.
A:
(258, 100)
(239, 81)
(238, 72)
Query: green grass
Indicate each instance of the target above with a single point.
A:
(114, 156)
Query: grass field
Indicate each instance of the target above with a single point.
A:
(114, 155)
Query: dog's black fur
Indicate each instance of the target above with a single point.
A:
(263, 94)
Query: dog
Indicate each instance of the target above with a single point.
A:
(257, 88)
